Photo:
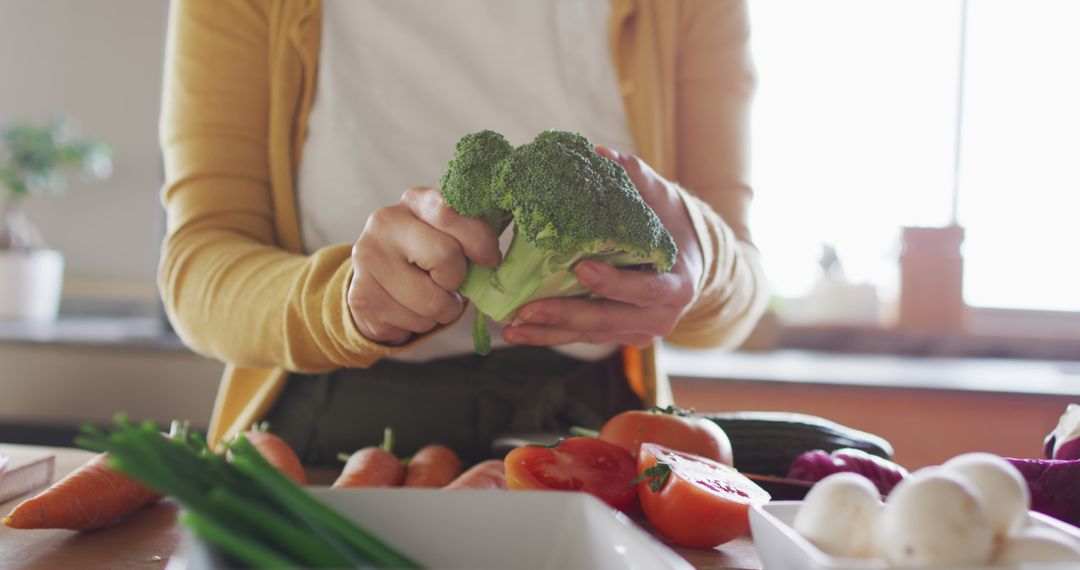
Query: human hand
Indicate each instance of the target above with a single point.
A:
(634, 306)
(409, 262)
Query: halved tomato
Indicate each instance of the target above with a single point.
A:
(576, 464)
(670, 427)
(694, 501)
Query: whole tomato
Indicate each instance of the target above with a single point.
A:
(587, 464)
(694, 501)
(670, 427)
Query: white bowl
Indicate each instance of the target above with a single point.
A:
(487, 529)
(781, 548)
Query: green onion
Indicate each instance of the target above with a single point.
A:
(244, 549)
(301, 544)
(281, 487)
(245, 507)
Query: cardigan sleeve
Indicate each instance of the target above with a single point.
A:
(714, 84)
(230, 290)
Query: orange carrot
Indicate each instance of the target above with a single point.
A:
(484, 475)
(90, 497)
(433, 466)
(372, 466)
(276, 452)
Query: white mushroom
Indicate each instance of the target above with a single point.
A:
(935, 519)
(1001, 486)
(839, 515)
(1038, 545)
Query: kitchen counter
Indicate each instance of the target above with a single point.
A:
(147, 539)
(930, 409)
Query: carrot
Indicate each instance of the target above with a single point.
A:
(484, 475)
(90, 497)
(372, 466)
(276, 452)
(433, 466)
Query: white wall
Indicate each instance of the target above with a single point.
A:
(99, 62)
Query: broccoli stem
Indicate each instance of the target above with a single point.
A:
(480, 335)
(526, 273)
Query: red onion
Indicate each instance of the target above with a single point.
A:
(816, 465)
(1054, 486)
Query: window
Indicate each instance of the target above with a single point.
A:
(1020, 171)
(855, 135)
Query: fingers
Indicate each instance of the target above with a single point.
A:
(392, 242)
(634, 166)
(433, 251)
(637, 307)
(607, 152)
(414, 290)
(668, 205)
(552, 336)
(555, 322)
(409, 262)
(378, 316)
(477, 240)
(648, 183)
(643, 288)
(597, 316)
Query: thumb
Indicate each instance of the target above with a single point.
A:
(607, 152)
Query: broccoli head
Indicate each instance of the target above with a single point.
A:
(567, 203)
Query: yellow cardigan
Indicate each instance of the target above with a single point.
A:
(239, 82)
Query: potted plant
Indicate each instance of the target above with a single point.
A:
(35, 160)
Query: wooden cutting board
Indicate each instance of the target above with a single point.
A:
(143, 542)
(26, 471)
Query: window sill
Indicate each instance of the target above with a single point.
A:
(979, 375)
(989, 334)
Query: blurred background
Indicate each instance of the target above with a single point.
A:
(916, 180)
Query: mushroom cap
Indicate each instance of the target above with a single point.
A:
(1038, 545)
(1002, 487)
(934, 519)
(839, 515)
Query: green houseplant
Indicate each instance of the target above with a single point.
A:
(36, 159)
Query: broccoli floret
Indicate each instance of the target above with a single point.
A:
(466, 184)
(567, 202)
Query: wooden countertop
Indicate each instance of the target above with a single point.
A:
(147, 539)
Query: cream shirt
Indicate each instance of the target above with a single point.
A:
(400, 81)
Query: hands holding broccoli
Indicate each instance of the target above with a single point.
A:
(603, 248)
(628, 306)
(409, 262)
(578, 215)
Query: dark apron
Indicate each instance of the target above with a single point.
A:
(463, 402)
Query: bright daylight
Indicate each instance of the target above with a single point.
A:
(539, 284)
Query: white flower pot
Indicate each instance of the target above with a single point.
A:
(30, 284)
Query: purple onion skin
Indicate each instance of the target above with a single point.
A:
(813, 466)
(1054, 486)
(1068, 451)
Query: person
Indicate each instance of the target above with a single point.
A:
(290, 130)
